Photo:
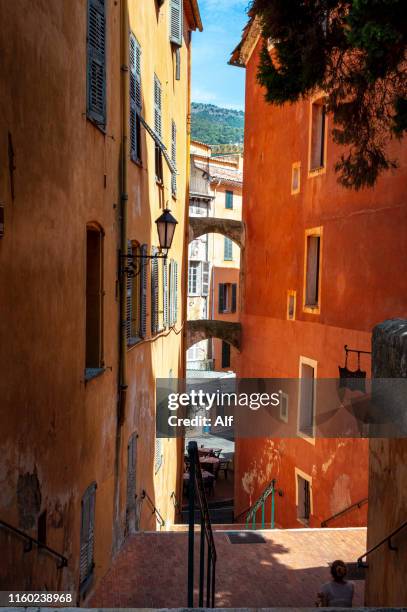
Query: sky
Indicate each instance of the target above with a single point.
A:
(213, 80)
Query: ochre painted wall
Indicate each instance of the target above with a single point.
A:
(363, 281)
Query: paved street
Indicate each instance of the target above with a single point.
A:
(287, 570)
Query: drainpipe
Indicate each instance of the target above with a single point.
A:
(123, 211)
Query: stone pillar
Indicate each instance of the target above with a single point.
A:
(386, 583)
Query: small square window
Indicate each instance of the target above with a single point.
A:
(295, 178)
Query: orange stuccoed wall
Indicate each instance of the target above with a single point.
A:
(363, 282)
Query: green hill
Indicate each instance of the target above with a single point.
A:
(214, 125)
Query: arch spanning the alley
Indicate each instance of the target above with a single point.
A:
(231, 228)
(203, 329)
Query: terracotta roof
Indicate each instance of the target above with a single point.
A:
(193, 11)
(219, 173)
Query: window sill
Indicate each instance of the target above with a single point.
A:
(316, 171)
(137, 162)
(159, 182)
(99, 126)
(303, 521)
(91, 373)
(316, 310)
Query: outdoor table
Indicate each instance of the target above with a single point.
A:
(210, 463)
(203, 452)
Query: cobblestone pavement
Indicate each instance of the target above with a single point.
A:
(287, 570)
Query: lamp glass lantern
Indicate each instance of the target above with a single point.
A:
(166, 225)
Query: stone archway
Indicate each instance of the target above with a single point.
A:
(203, 329)
(231, 228)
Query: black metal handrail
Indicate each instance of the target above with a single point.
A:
(196, 490)
(145, 495)
(63, 561)
(358, 504)
(376, 546)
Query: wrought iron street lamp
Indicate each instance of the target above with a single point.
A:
(166, 225)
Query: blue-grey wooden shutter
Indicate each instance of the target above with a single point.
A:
(135, 94)
(131, 477)
(87, 533)
(165, 292)
(229, 199)
(157, 106)
(129, 294)
(154, 293)
(176, 21)
(177, 64)
(234, 297)
(143, 292)
(175, 292)
(205, 278)
(221, 297)
(158, 455)
(171, 300)
(228, 249)
(174, 157)
(96, 62)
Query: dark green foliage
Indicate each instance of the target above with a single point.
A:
(352, 51)
(214, 125)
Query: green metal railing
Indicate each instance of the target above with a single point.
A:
(260, 504)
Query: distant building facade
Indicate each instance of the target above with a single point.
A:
(214, 259)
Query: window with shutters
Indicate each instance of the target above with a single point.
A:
(317, 144)
(166, 294)
(303, 488)
(229, 199)
(96, 63)
(154, 293)
(225, 354)
(143, 292)
(94, 300)
(194, 278)
(131, 484)
(162, 294)
(87, 562)
(312, 270)
(135, 98)
(173, 293)
(135, 296)
(176, 22)
(227, 302)
(174, 158)
(205, 278)
(306, 397)
(158, 129)
(228, 249)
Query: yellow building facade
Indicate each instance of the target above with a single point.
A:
(94, 146)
